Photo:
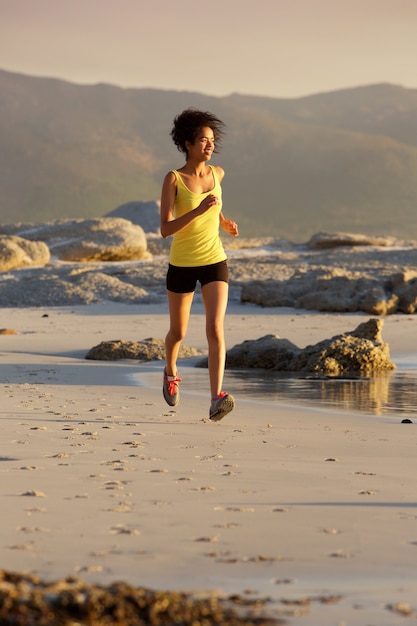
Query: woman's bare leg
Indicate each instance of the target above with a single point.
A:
(215, 296)
(179, 315)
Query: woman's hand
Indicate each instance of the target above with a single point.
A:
(230, 227)
(206, 204)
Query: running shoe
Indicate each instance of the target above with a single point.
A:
(170, 389)
(221, 406)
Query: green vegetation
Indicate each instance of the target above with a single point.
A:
(344, 161)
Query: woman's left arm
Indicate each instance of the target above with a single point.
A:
(229, 226)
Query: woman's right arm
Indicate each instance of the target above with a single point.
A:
(168, 193)
(169, 224)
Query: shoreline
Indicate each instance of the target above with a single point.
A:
(279, 500)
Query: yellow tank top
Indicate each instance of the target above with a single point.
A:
(198, 243)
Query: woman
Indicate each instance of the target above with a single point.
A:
(191, 212)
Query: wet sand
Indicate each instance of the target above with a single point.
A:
(311, 507)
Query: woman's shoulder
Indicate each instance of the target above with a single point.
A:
(171, 176)
(219, 171)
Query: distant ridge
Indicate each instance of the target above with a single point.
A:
(337, 161)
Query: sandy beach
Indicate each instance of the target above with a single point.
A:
(312, 507)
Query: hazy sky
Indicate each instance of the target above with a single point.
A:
(279, 48)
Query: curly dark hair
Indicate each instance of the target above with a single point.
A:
(188, 123)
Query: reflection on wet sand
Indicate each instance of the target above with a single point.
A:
(393, 392)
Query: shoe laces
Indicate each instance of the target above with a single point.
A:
(222, 394)
(172, 384)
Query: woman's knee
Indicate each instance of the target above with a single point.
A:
(215, 332)
(176, 334)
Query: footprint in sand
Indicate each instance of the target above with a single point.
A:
(24, 547)
(116, 485)
(122, 507)
(33, 493)
(120, 529)
(35, 509)
(340, 554)
(88, 569)
(240, 509)
(32, 529)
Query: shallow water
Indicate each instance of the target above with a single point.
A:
(393, 394)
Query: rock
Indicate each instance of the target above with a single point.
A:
(146, 350)
(16, 252)
(83, 240)
(336, 290)
(262, 353)
(333, 240)
(377, 280)
(144, 214)
(66, 285)
(405, 288)
(360, 351)
(158, 245)
(28, 599)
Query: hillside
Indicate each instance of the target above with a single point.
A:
(344, 160)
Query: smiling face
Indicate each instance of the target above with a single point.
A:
(203, 146)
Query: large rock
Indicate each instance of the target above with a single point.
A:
(144, 214)
(404, 285)
(17, 252)
(83, 240)
(361, 351)
(323, 240)
(59, 284)
(146, 350)
(337, 290)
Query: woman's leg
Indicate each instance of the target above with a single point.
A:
(179, 315)
(215, 296)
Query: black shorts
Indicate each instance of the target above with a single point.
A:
(184, 279)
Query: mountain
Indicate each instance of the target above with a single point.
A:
(344, 160)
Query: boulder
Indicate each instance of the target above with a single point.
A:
(146, 350)
(404, 285)
(66, 285)
(336, 290)
(358, 352)
(144, 214)
(334, 240)
(16, 252)
(83, 240)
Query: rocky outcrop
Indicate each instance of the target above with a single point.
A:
(146, 350)
(144, 214)
(323, 240)
(361, 351)
(28, 599)
(378, 280)
(66, 285)
(18, 252)
(101, 239)
(337, 290)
